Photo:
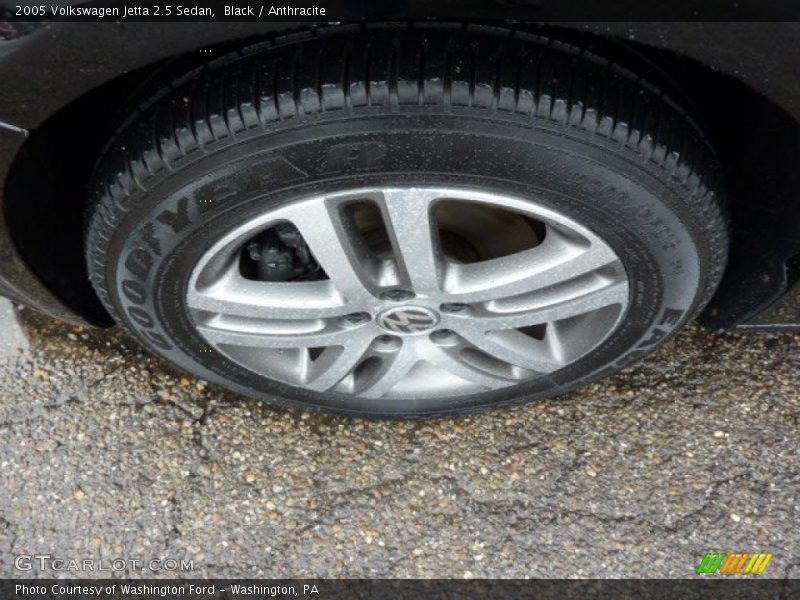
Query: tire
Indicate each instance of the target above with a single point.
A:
(513, 116)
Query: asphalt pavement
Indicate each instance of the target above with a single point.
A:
(106, 452)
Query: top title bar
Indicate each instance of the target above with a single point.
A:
(353, 10)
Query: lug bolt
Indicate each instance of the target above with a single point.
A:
(454, 307)
(387, 343)
(356, 318)
(441, 335)
(397, 295)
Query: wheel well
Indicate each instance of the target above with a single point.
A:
(45, 197)
(755, 139)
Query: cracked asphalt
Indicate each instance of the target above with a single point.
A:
(107, 452)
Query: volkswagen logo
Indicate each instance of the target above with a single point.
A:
(408, 319)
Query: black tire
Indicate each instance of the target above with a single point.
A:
(391, 104)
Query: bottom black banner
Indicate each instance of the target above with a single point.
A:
(412, 589)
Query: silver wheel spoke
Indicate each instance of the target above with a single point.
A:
(334, 364)
(515, 348)
(237, 296)
(556, 260)
(250, 339)
(448, 360)
(392, 370)
(409, 220)
(613, 293)
(334, 247)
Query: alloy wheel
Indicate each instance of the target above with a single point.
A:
(415, 313)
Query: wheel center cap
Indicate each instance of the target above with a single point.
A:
(407, 320)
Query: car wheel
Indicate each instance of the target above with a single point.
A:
(406, 221)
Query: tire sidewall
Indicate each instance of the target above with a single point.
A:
(646, 218)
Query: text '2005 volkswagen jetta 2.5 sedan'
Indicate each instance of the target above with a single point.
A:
(407, 218)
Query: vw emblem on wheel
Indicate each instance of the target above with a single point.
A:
(408, 319)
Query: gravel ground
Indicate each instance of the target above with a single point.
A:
(107, 452)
